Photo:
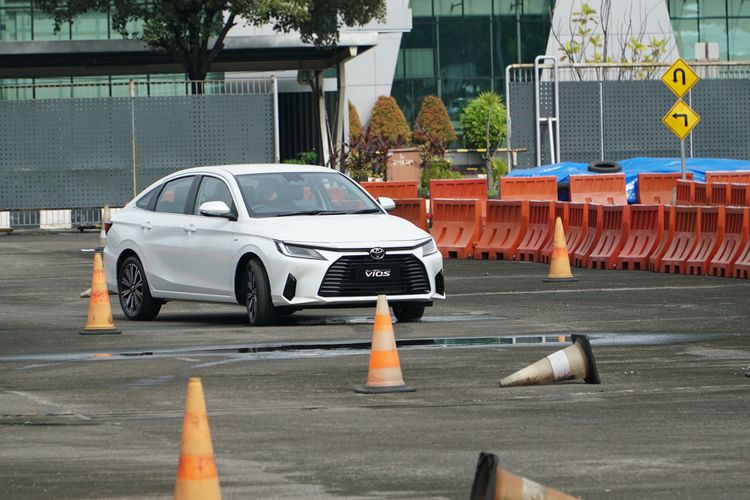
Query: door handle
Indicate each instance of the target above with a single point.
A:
(189, 228)
(146, 225)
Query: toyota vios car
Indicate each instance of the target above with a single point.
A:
(274, 238)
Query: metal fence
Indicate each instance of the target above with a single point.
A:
(613, 111)
(83, 146)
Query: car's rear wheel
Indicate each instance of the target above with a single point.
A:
(408, 311)
(260, 310)
(136, 301)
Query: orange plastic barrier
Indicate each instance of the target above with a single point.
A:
(646, 229)
(529, 188)
(687, 232)
(711, 235)
(720, 193)
(392, 189)
(594, 229)
(412, 209)
(658, 188)
(685, 192)
(475, 189)
(604, 189)
(742, 264)
(614, 233)
(739, 195)
(738, 176)
(541, 228)
(701, 193)
(561, 210)
(456, 226)
(507, 222)
(654, 261)
(736, 230)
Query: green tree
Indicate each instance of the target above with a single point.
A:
(193, 31)
(484, 124)
(433, 130)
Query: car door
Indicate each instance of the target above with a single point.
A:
(207, 243)
(164, 236)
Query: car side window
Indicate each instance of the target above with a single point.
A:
(174, 195)
(212, 189)
(146, 202)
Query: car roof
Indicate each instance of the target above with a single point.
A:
(256, 168)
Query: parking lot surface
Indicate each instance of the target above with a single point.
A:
(101, 416)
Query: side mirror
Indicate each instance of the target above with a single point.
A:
(217, 209)
(387, 203)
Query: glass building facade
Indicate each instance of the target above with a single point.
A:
(459, 48)
(21, 21)
(726, 22)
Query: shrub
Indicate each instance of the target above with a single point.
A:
(433, 122)
(438, 169)
(475, 117)
(304, 158)
(355, 124)
(388, 123)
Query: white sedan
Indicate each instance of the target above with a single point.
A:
(274, 238)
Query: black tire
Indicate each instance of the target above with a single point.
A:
(136, 301)
(605, 167)
(408, 312)
(260, 309)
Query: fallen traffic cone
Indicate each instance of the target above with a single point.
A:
(385, 368)
(574, 362)
(559, 263)
(99, 319)
(197, 478)
(491, 482)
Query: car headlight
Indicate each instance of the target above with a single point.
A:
(429, 248)
(298, 251)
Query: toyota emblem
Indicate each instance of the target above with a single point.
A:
(377, 253)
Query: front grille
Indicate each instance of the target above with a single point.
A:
(342, 279)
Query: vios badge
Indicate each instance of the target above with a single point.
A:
(377, 253)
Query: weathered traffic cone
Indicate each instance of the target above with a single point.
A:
(491, 482)
(385, 369)
(559, 262)
(574, 362)
(99, 319)
(197, 478)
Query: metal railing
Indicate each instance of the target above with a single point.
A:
(139, 88)
(720, 70)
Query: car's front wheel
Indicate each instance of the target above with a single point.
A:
(260, 309)
(408, 312)
(135, 297)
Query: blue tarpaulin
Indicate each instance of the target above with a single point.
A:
(632, 167)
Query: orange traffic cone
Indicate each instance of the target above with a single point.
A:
(574, 362)
(559, 263)
(492, 482)
(197, 478)
(99, 319)
(385, 368)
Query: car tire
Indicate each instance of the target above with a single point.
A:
(260, 309)
(605, 167)
(136, 301)
(408, 312)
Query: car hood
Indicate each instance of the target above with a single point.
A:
(341, 231)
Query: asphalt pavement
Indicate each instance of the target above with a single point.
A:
(101, 416)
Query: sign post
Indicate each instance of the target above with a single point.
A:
(681, 118)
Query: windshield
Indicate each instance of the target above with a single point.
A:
(280, 194)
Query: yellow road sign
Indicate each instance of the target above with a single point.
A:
(681, 119)
(679, 78)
